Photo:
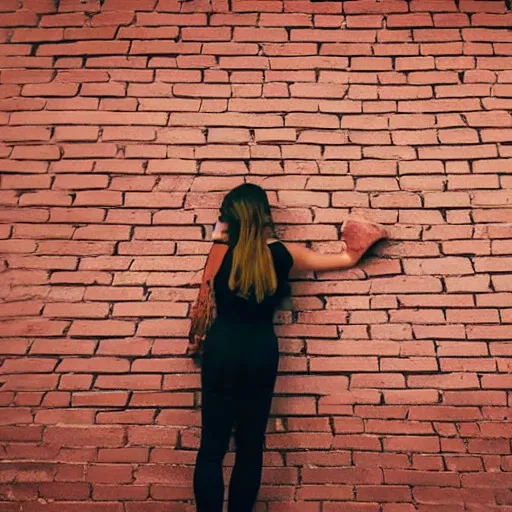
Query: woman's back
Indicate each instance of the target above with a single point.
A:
(234, 309)
(239, 370)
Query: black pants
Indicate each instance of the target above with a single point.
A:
(238, 375)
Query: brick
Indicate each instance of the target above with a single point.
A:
(233, 19)
(409, 20)
(75, 19)
(489, 6)
(404, 92)
(117, 62)
(103, 90)
(22, 35)
(76, 133)
(479, 49)
(206, 34)
(433, 77)
(311, 120)
(472, 182)
(455, 48)
(250, 34)
(226, 119)
(458, 136)
(147, 32)
(12, 133)
(72, 310)
(17, 61)
(97, 150)
(498, 197)
(451, 20)
(371, 63)
(89, 33)
(14, 433)
(157, 47)
(443, 63)
(328, 8)
(347, 106)
(82, 436)
(437, 35)
(415, 138)
(369, 6)
(26, 76)
(179, 19)
(318, 90)
(43, 152)
(18, 18)
(483, 119)
(210, 91)
(128, 382)
(26, 103)
(445, 381)
(39, 365)
(88, 118)
(414, 63)
(367, 21)
(491, 20)
(84, 48)
(493, 62)
(423, 444)
(230, 49)
(102, 327)
(346, 49)
(345, 36)
(454, 152)
(439, 105)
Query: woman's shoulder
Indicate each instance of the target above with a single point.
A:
(280, 252)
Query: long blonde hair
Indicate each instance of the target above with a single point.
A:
(247, 211)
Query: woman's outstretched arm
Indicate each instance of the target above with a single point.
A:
(357, 236)
(306, 259)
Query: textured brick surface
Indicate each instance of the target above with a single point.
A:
(122, 124)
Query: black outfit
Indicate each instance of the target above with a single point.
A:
(238, 374)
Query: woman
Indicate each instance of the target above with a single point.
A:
(241, 355)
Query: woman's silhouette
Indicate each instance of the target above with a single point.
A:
(241, 354)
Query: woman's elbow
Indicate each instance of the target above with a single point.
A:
(348, 260)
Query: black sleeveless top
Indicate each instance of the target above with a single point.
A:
(234, 309)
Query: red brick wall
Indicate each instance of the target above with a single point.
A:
(124, 123)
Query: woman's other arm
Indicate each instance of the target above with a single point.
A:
(220, 232)
(357, 235)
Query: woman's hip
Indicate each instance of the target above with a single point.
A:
(241, 346)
